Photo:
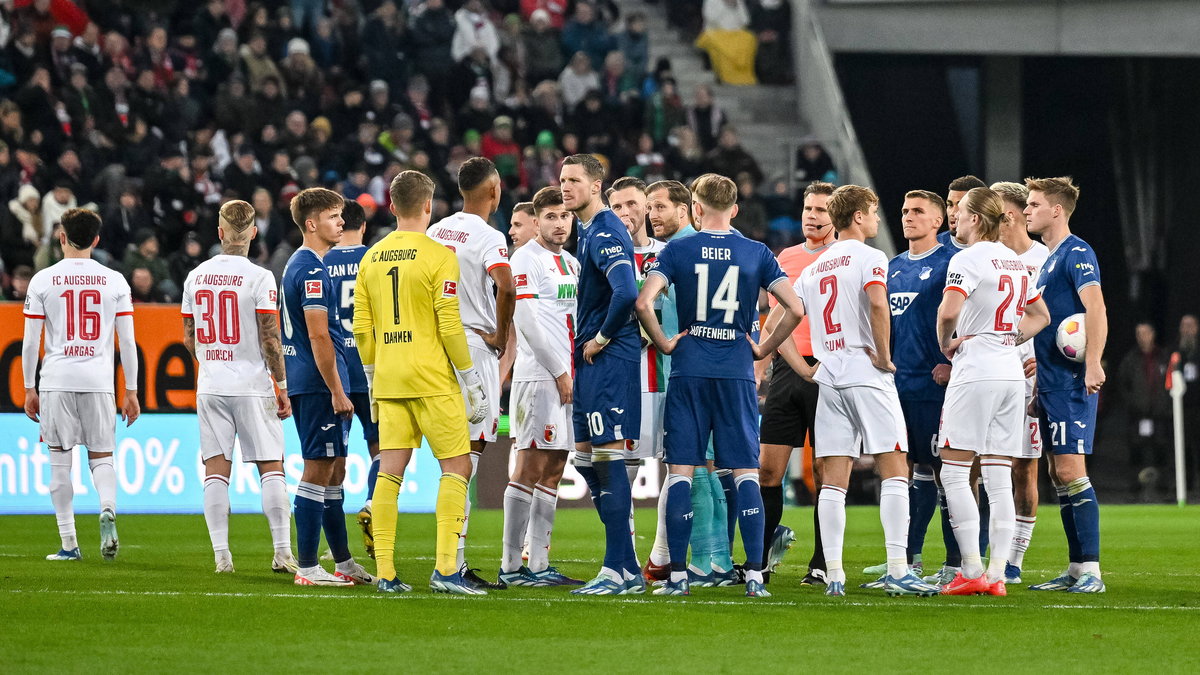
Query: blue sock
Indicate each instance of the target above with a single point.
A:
(702, 519)
(731, 504)
(583, 464)
(922, 502)
(372, 474)
(1067, 513)
(985, 518)
(953, 555)
(613, 500)
(310, 510)
(1086, 511)
(722, 554)
(751, 518)
(679, 519)
(334, 522)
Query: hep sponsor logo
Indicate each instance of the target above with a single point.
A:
(612, 251)
(1086, 268)
(312, 288)
(449, 289)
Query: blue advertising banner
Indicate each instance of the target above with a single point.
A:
(159, 470)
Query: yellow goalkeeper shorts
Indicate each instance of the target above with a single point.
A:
(442, 420)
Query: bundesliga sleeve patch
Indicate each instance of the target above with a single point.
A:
(521, 280)
(449, 289)
(878, 273)
(272, 296)
(312, 288)
(503, 252)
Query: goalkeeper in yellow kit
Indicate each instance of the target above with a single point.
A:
(411, 341)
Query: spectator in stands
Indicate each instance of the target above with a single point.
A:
(23, 53)
(57, 202)
(664, 112)
(596, 124)
(186, 259)
(50, 251)
(635, 45)
(122, 221)
(727, 39)
(543, 49)
(68, 171)
(813, 163)
(706, 118)
(619, 86)
(471, 74)
(478, 115)
(272, 226)
(242, 175)
(146, 255)
(210, 22)
(279, 257)
(686, 158)
(649, 164)
(729, 158)
(61, 56)
(751, 217)
(585, 33)
(397, 141)
(301, 77)
(1142, 385)
(143, 288)
(433, 31)
(771, 22)
(543, 162)
(326, 46)
(18, 284)
(473, 29)
(257, 64)
(10, 174)
(555, 11)
(22, 229)
(498, 145)
(79, 97)
(1187, 361)
(577, 79)
(169, 193)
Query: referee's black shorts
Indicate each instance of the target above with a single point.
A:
(790, 408)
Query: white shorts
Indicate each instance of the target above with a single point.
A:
(87, 418)
(850, 416)
(539, 420)
(986, 417)
(650, 442)
(488, 365)
(252, 420)
(1031, 445)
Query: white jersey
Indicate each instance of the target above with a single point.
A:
(223, 296)
(1033, 258)
(80, 300)
(653, 372)
(549, 280)
(480, 249)
(996, 285)
(834, 291)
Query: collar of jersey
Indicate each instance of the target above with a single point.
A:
(818, 249)
(588, 224)
(718, 233)
(924, 255)
(1065, 240)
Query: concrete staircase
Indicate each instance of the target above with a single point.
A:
(765, 115)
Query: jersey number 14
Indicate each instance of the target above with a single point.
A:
(725, 297)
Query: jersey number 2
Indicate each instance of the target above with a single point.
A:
(829, 285)
(724, 299)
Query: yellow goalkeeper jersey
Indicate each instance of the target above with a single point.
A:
(406, 319)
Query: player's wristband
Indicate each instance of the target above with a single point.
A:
(282, 384)
(601, 340)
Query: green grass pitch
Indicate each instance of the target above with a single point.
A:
(161, 608)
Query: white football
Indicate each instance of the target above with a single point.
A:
(1071, 338)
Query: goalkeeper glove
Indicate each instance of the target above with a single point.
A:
(477, 399)
(370, 373)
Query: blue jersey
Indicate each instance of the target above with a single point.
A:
(307, 285)
(604, 246)
(946, 239)
(1070, 268)
(717, 276)
(342, 263)
(915, 285)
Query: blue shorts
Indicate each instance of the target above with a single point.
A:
(924, 420)
(362, 410)
(1068, 420)
(608, 400)
(322, 433)
(700, 408)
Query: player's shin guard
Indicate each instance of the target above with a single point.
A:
(1022, 535)
(893, 514)
(964, 514)
(831, 509)
(922, 502)
(334, 523)
(702, 518)
(372, 476)
(731, 503)
(517, 502)
(275, 508)
(953, 555)
(750, 520)
(997, 476)
(1087, 523)
(451, 515)
(541, 526)
(310, 511)
(104, 477)
(679, 520)
(772, 499)
(722, 555)
(216, 511)
(462, 536)
(62, 495)
(660, 554)
(383, 524)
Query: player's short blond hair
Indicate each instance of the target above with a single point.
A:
(546, 198)
(848, 200)
(989, 206)
(1061, 191)
(715, 191)
(313, 201)
(236, 219)
(409, 192)
(1012, 193)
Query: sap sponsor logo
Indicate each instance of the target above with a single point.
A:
(901, 301)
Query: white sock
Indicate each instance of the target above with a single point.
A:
(277, 509)
(831, 512)
(518, 500)
(216, 511)
(997, 478)
(104, 477)
(893, 513)
(462, 536)
(631, 470)
(541, 526)
(660, 554)
(964, 514)
(62, 495)
(1022, 535)
(1093, 567)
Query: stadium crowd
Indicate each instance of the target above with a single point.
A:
(154, 114)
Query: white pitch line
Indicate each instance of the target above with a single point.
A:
(409, 597)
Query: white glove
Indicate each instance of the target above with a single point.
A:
(477, 400)
(369, 371)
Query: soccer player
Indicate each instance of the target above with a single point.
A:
(79, 303)
(411, 341)
(791, 405)
(314, 349)
(546, 278)
(522, 226)
(606, 398)
(954, 195)
(1069, 282)
(718, 275)
(1014, 234)
(342, 261)
(486, 299)
(989, 307)
(845, 291)
(235, 397)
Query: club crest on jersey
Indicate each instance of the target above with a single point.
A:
(449, 289)
(925, 272)
(550, 433)
(312, 288)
